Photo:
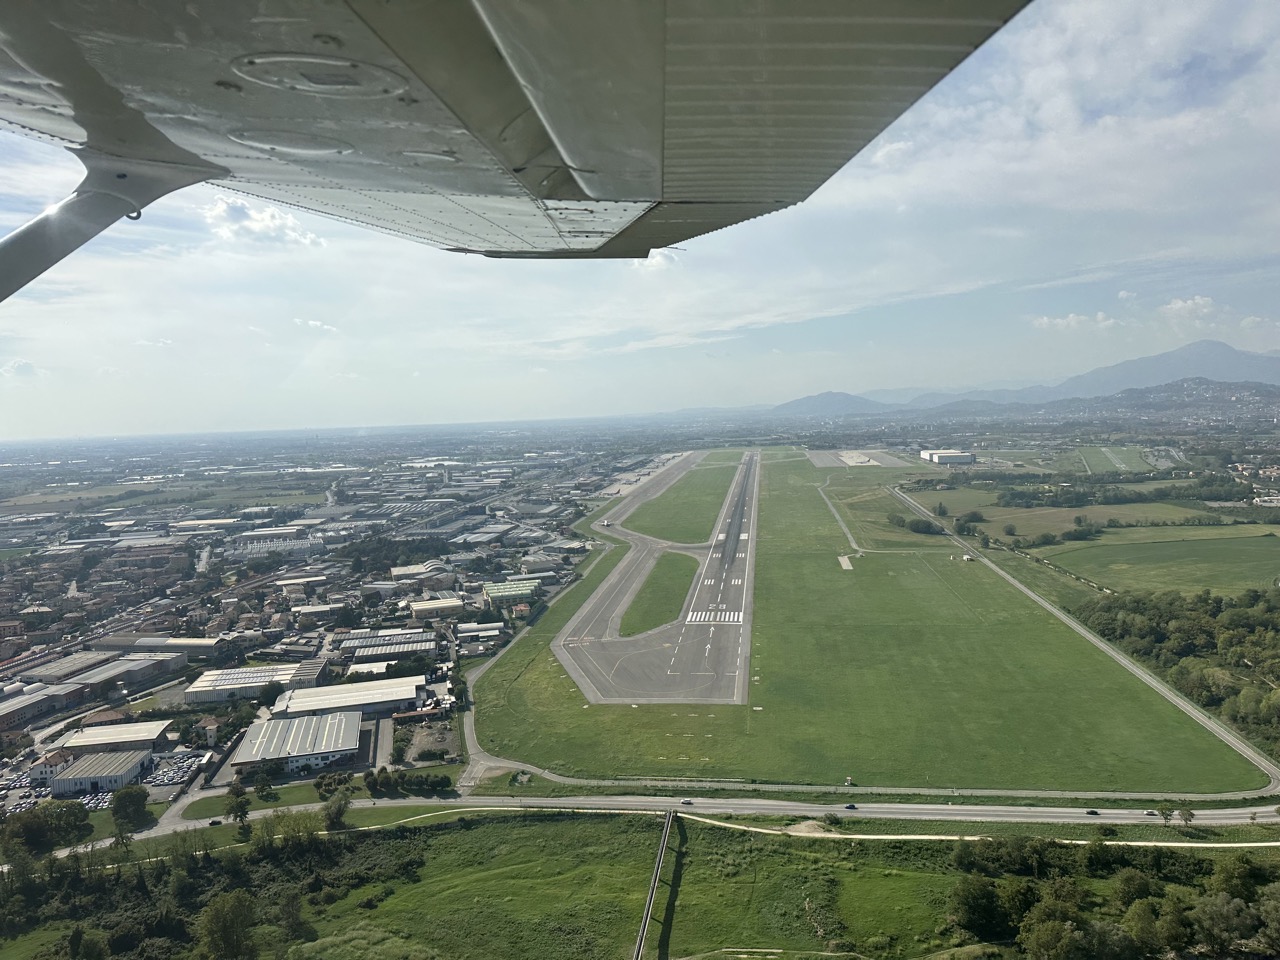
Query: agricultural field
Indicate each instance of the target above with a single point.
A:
(686, 512)
(205, 493)
(662, 597)
(1030, 522)
(910, 669)
(1225, 565)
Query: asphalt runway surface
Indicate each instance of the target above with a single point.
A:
(703, 657)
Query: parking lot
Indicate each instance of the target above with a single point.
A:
(170, 776)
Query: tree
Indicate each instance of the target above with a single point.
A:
(1132, 885)
(335, 809)
(1186, 815)
(236, 807)
(226, 927)
(1166, 813)
(129, 807)
(270, 693)
(1220, 920)
(66, 820)
(263, 790)
(941, 510)
(1010, 530)
(976, 907)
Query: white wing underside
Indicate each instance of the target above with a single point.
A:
(520, 128)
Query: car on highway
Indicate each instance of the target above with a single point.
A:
(1150, 813)
(686, 802)
(1091, 813)
(851, 806)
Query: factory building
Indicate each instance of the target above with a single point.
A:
(245, 683)
(36, 700)
(311, 742)
(391, 651)
(100, 772)
(196, 648)
(435, 609)
(133, 671)
(511, 591)
(374, 698)
(57, 671)
(148, 737)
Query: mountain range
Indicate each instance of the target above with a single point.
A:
(1203, 359)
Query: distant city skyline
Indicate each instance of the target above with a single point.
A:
(1093, 185)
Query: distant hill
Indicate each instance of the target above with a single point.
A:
(831, 404)
(1207, 359)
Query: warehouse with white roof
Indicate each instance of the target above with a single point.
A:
(117, 736)
(374, 698)
(300, 742)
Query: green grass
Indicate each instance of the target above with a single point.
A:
(662, 597)
(686, 511)
(724, 456)
(1056, 587)
(513, 887)
(758, 892)
(909, 670)
(1222, 565)
(1030, 522)
(208, 808)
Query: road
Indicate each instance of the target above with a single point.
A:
(703, 657)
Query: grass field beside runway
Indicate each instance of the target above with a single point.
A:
(662, 597)
(686, 511)
(1226, 565)
(1032, 521)
(907, 670)
(733, 456)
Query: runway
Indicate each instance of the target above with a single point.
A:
(704, 657)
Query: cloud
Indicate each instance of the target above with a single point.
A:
(661, 259)
(1126, 295)
(1076, 321)
(161, 342)
(20, 368)
(1197, 312)
(232, 218)
(315, 325)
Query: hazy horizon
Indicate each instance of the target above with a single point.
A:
(1089, 187)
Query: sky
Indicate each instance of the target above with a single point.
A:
(1096, 183)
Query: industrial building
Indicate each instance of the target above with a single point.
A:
(197, 648)
(100, 772)
(434, 609)
(119, 736)
(479, 632)
(360, 639)
(374, 698)
(511, 591)
(392, 651)
(36, 700)
(57, 671)
(246, 683)
(133, 671)
(947, 457)
(312, 742)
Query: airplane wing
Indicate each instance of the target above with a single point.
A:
(511, 128)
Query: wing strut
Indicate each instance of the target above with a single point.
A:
(112, 188)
